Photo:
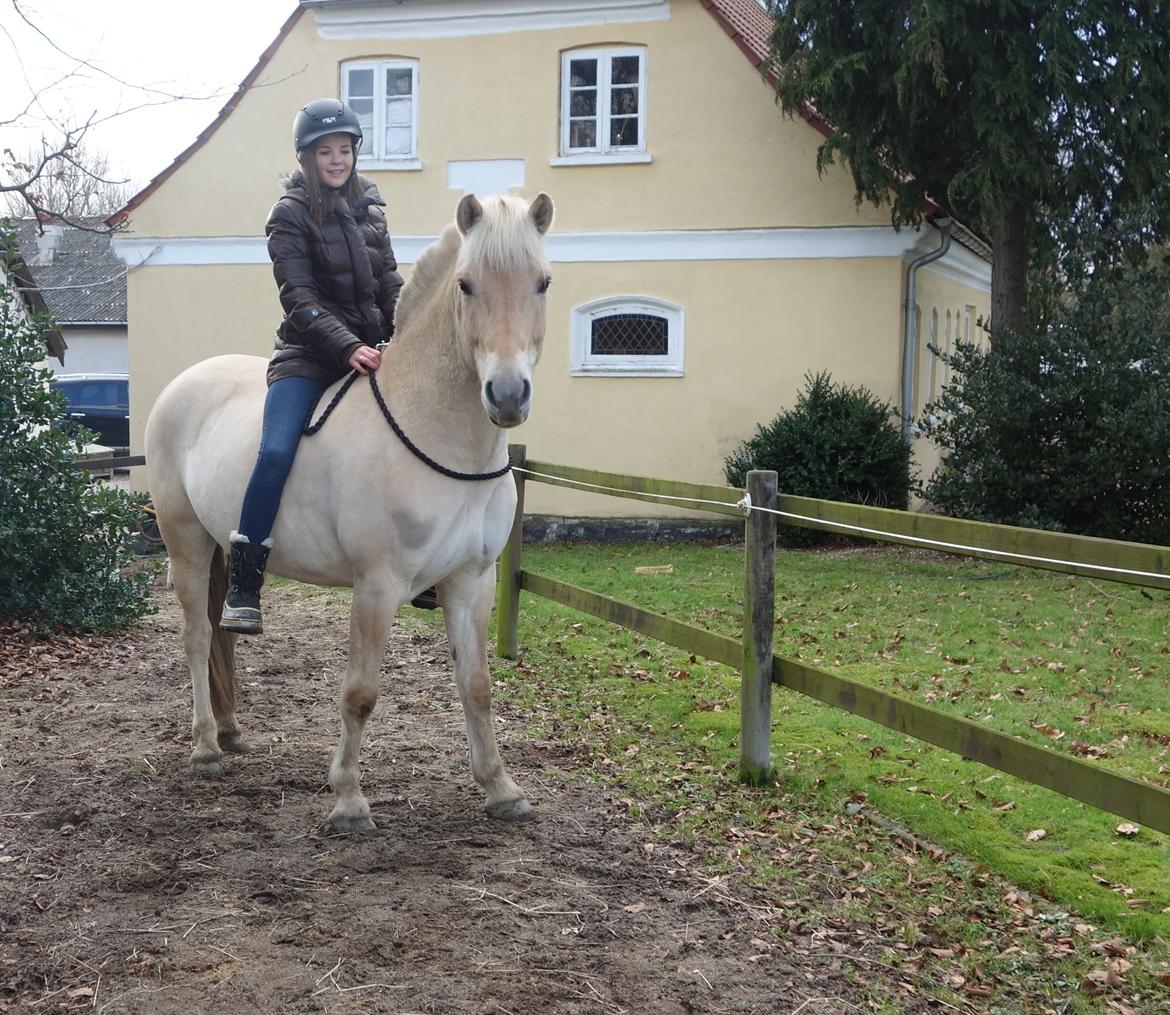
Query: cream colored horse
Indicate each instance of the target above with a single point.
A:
(360, 509)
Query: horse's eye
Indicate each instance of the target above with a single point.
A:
(465, 287)
(544, 284)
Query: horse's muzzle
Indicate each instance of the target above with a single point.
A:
(507, 399)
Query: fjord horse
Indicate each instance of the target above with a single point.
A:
(361, 507)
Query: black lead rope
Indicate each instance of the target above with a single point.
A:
(311, 428)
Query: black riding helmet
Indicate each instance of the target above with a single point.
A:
(325, 116)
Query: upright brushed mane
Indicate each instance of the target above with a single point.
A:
(504, 238)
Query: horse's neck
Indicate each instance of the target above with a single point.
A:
(432, 389)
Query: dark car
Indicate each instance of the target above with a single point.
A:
(98, 402)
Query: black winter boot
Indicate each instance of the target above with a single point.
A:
(241, 608)
(428, 599)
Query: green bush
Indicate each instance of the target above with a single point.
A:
(1066, 424)
(836, 443)
(65, 554)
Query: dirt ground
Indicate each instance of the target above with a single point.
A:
(127, 885)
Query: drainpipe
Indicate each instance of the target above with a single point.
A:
(908, 353)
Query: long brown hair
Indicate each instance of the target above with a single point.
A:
(351, 190)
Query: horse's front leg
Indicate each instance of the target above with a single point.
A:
(370, 620)
(467, 607)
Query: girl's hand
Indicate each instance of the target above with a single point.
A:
(365, 359)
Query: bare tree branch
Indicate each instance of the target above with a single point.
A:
(98, 70)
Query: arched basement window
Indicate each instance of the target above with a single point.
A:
(633, 336)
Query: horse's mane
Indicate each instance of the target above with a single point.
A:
(429, 270)
(504, 238)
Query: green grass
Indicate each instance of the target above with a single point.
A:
(1073, 664)
(867, 838)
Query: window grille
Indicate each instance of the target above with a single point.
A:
(629, 335)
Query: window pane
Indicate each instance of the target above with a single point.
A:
(623, 101)
(583, 134)
(583, 103)
(629, 335)
(398, 112)
(624, 70)
(623, 131)
(361, 83)
(363, 107)
(398, 80)
(582, 73)
(398, 141)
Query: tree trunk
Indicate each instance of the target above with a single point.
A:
(1009, 268)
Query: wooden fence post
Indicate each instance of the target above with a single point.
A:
(508, 599)
(759, 618)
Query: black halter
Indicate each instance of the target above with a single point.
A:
(311, 428)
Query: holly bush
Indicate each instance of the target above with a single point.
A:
(66, 560)
(836, 443)
(1065, 424)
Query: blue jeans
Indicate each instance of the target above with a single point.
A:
(285, 407)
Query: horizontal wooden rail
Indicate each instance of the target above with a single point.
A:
(694, 496)
(101, 464)
(673, 632)
(1117, 794)
(1108, 559)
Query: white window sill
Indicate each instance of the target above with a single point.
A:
(599, 159)
(588, 371)
(390, 165)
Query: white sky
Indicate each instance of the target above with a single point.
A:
(184, 47)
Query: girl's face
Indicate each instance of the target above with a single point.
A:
(334, 155)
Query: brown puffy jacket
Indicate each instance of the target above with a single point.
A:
(338, 281)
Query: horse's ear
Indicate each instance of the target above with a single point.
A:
(468, 214)
(541, 210)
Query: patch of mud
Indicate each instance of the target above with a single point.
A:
(128, 886)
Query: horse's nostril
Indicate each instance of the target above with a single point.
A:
(487, 390)
(526, 391)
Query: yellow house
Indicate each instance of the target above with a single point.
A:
(701, 266)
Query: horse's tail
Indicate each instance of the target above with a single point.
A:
(221, 659)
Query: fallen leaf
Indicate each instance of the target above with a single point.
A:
(1037, 834)
(635, 907)
(1128, 829)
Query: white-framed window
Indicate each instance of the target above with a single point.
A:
(633, 336)
(384, 95)
(603, 105)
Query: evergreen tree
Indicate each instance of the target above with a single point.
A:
(1039, 122)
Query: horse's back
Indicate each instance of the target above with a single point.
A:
(203, 431)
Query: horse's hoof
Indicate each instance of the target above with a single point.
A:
(208, 769)
(346, 825)
(518, 809)
(233, 743)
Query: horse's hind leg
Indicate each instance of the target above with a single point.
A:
(467, 607)
(370, 620)
(191, 550)
(222, 662)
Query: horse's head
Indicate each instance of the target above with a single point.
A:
(502, 276)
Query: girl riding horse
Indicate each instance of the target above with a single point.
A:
(339, 283)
